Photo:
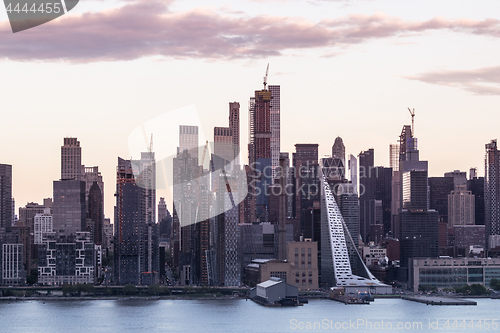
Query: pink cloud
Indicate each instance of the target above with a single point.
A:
(148, 28)
(481, 81)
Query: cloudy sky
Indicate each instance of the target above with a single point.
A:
(346, 68)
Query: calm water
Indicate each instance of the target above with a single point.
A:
(243, 316)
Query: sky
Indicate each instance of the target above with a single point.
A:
(348, 68)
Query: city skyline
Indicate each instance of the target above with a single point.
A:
(438, 59)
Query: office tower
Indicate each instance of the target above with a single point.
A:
(89, 176)
(223, 147)
(129, 211)
(145, 175)
(459, 177)
(28, 212)
(419, 226)
(71, 159)
(383, 193)
(375, 197)
(5, 196)
(43, 224)
(415, 190)
(395, 188)
(275, 128)
(162, 209)
(353, 172)
(186, 170)
(188, 138)
(234, 127)
(289, 184)
(366, 192)
(476, 186)
(259, 150)
(460, 207)
(136, 242)
(107, 238)
(439, 189)
(95, 212)
(249, 201)
(166, 227)
(69, 209)
(14, 217)
(338, 150)
(223, 262)
(306, 171)
(492, 190)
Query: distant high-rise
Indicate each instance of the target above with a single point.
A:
(145, 174)
(338, 150)
(71, 159)
(275, 127)
(184, 239)
(476, 186)
(223, 147)
(136, 249)
(5, 196)
(439, 189)
(459, 177)
(461, 207)
(69, 208)
(162, 209)
(306, 170)
(366, 161)
(95, 212)
(260, 126)
(42, 224)
(492, 190)
(188, 137)
(234, 127)
(418, 226)
(89, 176)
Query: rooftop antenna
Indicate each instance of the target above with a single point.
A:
(265, 77)
(412, 122)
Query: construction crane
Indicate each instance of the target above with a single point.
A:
(412, 122)
(204, 153)
(265, 77)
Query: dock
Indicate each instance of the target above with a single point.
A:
(438, 300)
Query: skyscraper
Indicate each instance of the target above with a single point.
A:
(223, 147)
(162, 209)
(145, 174)
(306, 171)
(95, 212)
(234, 127)
(71, 159)
(461, 207)
(476, 186)
(492, 190)
(188, 137)
(186, 194)
(338, 150)
(418, 226)
(275, 127)
(366, 161)
(136, 256)
(69, 209)
(5, 196)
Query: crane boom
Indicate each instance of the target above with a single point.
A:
(412, 122)
(265, 77)
(204, 153)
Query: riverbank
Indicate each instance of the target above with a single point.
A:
(116, 298)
